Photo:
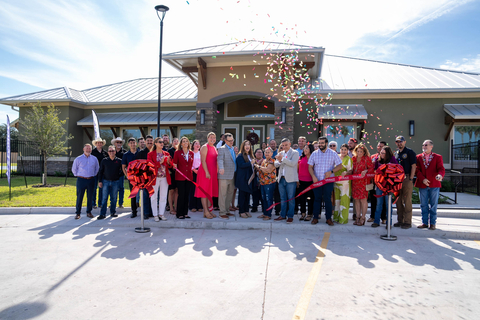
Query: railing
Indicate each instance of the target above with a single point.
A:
(466, 161)
(23, 157)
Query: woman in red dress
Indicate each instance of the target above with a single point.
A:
(207, 177)
(361, 165)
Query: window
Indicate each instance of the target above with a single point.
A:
(253, 129)
(187, 132)
(153, 133)
(339, 133)
(253, 109)
(466, 134)
(130, 133)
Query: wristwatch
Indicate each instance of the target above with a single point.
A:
(332, 171)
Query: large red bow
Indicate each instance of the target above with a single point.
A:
(389, 178)
(142, 175)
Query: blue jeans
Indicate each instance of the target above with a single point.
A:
(121, 190)
(267, 197)
(82, 186)
(110, 188)
(100, 192)
(323, 193)
(429, 195)
(379, 208)
(287, 191)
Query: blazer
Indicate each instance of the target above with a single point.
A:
(225, 162)
(244, 172)
(289, 165)
(435, 167)
(183, 165)
(152, 156)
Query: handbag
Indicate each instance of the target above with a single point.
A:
(369, 186)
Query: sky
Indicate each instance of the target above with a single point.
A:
(82, 44)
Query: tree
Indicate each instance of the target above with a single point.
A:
(344, 131)
(45, 130)
(3, 132)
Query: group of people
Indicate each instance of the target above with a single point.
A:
(273, 177)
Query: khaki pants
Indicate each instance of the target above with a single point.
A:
(404, 202)
(225, 195)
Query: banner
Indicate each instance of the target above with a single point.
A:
(8, 150)
(96, 126)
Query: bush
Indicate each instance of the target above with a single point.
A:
(58, 174)
(447, 186)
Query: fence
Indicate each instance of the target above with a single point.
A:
(466, 159)
(22, 158)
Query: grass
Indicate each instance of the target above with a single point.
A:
(61, 196)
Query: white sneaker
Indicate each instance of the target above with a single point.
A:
(163, 218)
(156, 218)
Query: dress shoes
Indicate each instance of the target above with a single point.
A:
(432, 227)
(133, 215)
(280, 218)
(314, 221)
(114, 215)
(330, 222)
(398, 224)
(90, 215)
(289, 220)
(406, 226)
(100, 217)
(422, 226)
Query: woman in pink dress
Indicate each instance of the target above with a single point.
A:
(207, 177)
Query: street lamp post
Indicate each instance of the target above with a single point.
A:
(161, 11)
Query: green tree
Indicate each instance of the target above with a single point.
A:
(344, 131)
(3, 132)
(46, 131)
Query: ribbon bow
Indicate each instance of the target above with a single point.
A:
(389, 178)
(142, 175)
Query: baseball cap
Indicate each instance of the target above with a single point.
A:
(400, 138)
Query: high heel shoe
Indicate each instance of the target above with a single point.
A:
(357, 222)
(361, 222)
(207, 215)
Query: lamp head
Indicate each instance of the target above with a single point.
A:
(161, 10)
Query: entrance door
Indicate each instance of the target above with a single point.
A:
(259, 130)
(233, 129)
(339, 133)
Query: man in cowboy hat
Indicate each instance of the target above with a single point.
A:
(119, 152)
(100, 154)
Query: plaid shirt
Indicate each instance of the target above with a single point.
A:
(323, 162)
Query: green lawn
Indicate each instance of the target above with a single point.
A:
(43, 197)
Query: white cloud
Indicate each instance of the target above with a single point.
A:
(466, 64)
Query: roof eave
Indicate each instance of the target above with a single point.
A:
(443, 90)
(237, 53)
(146, 123)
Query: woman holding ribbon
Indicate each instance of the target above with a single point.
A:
(268, 182)
(342, 188)
(244, 179)
(162, 161)
(207, 178)
(183, 160)
(194, 203)
(305, 180)
(385, 156)
(362, 164)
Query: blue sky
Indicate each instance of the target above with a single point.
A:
(80, 44)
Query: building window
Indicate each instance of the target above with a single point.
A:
(163, 131)
(252, 109)
(130, 133)
(187, 132)
(339, 133)
(466, 134)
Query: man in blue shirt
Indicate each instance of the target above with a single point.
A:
(128, 157)
(85, 168)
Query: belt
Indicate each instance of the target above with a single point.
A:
(86, 178)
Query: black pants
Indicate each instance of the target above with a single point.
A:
(256, 198)
(133, 201)
(243, 201)
(373, 204)
(183, 187)
(302, 200)
(193, 202)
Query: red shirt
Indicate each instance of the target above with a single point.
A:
(152, 156)
(435, 167)
(183, 165)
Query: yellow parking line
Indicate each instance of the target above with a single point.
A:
(304, 301)
(478, 242)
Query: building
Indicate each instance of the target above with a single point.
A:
(235, 88)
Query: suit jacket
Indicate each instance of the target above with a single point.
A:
(288, 166)
(435, 167)
(244, 172)
(225, 162)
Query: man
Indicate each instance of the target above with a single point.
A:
(302, 141)
(142, 154)
(100, 154)
(373, 199)
(141, 144)
(166, 142)
(332, 145)
(430, 173)
(110, 173)
(119, 152)
(322, 164)
(407, 158)
(85, 168)
(352, 143)
(222, 141)
(286, 162)
(128, 157)
(273, 146)
(226, 182)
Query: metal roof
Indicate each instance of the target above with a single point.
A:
(343, 112)
(344, 74)
(463, 111)
(143, 90)
(141, 118)
(243, 47)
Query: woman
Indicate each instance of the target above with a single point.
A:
(233, 207)
(245, 162)
(386, 156)
(268, 182)
(207, 177)
(172, 188)
(342, 188)
(162, 161)
(257, 194)
(194, 203)
(264, 147)
(362, 164)
(305, 180)
(183, 161)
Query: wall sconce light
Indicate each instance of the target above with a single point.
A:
(411, 128)
(202, 117)
(284, 115)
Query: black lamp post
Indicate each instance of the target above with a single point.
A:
(161, 11)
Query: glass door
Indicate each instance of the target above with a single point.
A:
(339, 132)
(259, 130)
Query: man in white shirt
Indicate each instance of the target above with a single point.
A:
(222, 141)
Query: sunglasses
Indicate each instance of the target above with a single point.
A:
(111, 150)
(425, 145)
(332, 146)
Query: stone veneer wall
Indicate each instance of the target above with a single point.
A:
(201, 130)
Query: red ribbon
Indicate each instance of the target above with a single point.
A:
(325, 181)
(142, 175)
(209, 197)
(389, 179)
